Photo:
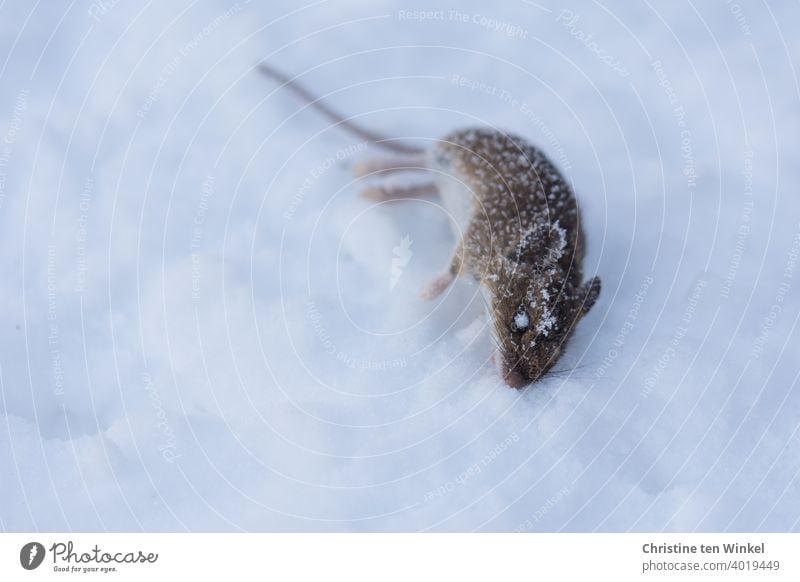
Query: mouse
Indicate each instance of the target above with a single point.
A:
(517, 225)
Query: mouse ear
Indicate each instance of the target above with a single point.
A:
(589, 292)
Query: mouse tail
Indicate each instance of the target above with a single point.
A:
(298, 89)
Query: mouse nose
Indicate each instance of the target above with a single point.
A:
(515, 380)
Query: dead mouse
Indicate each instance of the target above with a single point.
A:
(519, 230)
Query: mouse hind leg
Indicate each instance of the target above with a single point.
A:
(373, 166)
(379, 167)
(385, 192)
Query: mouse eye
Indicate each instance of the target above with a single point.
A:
(521, 322)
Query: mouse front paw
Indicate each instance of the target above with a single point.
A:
(435, 287)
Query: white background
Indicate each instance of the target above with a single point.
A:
(151, 385)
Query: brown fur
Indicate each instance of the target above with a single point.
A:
(524, 243)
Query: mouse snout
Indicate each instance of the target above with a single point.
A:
(515, 380)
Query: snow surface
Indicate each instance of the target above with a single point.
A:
(206, 328)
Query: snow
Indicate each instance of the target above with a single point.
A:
(521, 320)
(206, 328)
(546, 323)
